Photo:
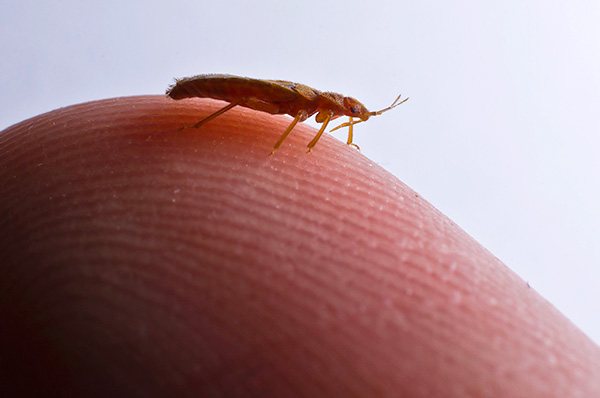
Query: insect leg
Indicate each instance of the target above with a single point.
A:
(351, 134)
(214, 115)
(321, 130)
(300, 116)
(346, 125)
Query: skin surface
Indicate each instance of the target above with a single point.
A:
(139, 260)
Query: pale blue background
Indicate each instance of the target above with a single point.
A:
(502, 131)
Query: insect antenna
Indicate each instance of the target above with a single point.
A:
(394, 104)
(352, 122)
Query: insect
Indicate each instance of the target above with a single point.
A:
(276, 97)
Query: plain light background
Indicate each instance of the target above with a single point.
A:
(501, 132)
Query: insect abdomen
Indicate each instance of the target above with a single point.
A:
(229, 88)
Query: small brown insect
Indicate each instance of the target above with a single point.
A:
(275, 97)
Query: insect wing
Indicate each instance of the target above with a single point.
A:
(307, 92)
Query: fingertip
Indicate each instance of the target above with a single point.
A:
(225, 267)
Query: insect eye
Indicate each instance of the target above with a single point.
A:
(352, 106)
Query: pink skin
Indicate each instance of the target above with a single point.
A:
(137, 259)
